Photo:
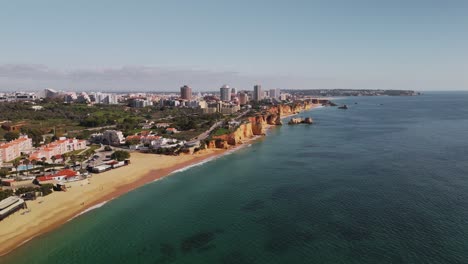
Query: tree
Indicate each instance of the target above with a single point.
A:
(34, 133)
(5, 194)
(34, 162)
(3, 172)
(120, 155)
(53, 158)
(43, 159)
(26, 162)
(46, 189)
(64, 157)
(16, 164)
(73, 160)
(81, 158)
(12, 135)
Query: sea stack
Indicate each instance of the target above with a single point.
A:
(308, 120)
(298, 120)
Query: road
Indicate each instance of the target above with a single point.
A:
(92, 129)
(207, 133)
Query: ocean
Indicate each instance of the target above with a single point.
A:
(385, 181)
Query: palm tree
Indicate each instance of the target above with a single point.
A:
(81, 158)
(34, 162)
(16, 164)
(64, 157)
(53, 158)
(73, 160)
(43, 159)
(26, 162)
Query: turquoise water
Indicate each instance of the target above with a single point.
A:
(385, 181)
(25, 167)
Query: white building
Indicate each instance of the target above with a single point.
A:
(109, 137)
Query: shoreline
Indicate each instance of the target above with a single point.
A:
(21, 229)
(52, 217)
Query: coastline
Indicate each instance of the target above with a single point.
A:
(50, 212)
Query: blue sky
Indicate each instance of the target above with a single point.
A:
(161, 45)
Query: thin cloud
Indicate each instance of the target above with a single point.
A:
(34, 77)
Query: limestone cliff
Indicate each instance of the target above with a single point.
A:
(258, 124)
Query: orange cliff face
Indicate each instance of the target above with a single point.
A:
(258, 124)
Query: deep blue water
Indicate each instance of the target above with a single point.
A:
(385, 181)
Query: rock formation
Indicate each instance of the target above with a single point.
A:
(258, 124)
(298, 120)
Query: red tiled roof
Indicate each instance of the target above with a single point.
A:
(66, 173)
(45, 178)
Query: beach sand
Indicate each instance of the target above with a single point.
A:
(47, 213)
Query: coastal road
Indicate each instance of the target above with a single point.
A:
(207, 133)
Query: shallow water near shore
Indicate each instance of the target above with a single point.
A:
(385, 181)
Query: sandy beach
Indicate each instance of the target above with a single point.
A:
(47, 213)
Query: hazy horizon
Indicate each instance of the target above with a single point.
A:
(160, 46)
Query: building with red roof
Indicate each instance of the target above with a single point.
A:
(57, 148)
(63, 175)
(13, 149)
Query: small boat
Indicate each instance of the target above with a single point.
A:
(343, 107)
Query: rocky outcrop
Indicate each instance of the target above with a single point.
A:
(294, 121)
(222, 144)
(298, 120)
(308, 120)
(259, 125)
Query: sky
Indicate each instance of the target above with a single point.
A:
(152, 45)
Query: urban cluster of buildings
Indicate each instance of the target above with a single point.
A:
(23, 145)
(153, 141)
(57, 148)
(108, 137)
(227, 101)
(17, 97)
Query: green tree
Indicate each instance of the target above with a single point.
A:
(46, 189)
(120, 155)
(35, 134)
(73, 159)
(64, 157)
(53, 158)
(12, 135)
(5, 194)
(16, 164)
(3, 172)
(26, 162)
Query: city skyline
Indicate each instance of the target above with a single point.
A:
(158, 46)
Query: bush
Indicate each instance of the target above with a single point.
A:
(120, 155)
(5, 194)
(22, 190)
(3, 172)
(46, 189)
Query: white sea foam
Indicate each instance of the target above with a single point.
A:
(96, 206)
(230, 151)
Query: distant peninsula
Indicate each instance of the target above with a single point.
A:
(352, 92)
